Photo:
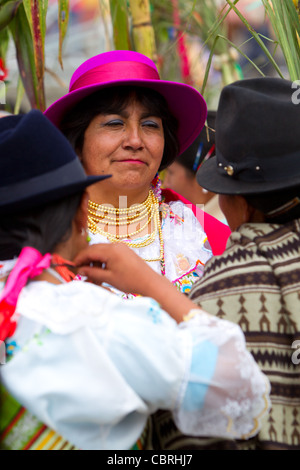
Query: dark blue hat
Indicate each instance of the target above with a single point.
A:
(257, 139)
(37, 163)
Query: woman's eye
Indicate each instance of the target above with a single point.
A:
(114, 122)
(150, 123)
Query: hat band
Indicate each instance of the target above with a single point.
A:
(123, 70)
(284, 208)
(68, 174)
(253, 170)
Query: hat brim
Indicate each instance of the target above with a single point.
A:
(184, 101)
(209, 178)
(21, 198)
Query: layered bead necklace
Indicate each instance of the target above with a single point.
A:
(100, 215)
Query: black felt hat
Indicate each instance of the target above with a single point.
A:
(257, 139)
(37, 163)
(203, 145)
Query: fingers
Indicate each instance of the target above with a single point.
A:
(115, 264)
(95, 275)
(92, 254)
(92, 263)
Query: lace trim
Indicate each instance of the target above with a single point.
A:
(236, 411)
(257, 419)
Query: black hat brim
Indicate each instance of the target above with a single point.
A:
(210, 178)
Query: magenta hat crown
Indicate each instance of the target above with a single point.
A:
(116, 68)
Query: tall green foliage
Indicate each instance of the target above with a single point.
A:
(284, 18)
(24, 22)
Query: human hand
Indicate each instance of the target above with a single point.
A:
(117, 265)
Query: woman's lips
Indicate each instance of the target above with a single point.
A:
(133, 161)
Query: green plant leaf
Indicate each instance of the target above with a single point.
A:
(63, 21)
(119, 17)
(257, 38)
(7, 12)
(36, 11)
(284, 19)
(22, 36)
(4, 41)
(19, 96)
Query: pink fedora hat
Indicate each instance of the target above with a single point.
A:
(133, 68)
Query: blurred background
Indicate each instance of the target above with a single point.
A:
(207, 43)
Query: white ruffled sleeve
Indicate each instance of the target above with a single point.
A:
(94, 367)
(224, 375)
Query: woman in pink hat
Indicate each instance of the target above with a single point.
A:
(123, 120)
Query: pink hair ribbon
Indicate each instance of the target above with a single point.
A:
(30, 263)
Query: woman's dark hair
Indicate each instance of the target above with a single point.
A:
(279, 207)
(113, 100)
(41, 228)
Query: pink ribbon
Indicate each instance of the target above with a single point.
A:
(30, 264)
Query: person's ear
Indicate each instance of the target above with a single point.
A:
(79, 154)
(81, 217)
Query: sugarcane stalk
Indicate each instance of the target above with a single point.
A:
(142, 29)
(119, 18)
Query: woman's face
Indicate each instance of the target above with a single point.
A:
(178, 179)
(128, 145)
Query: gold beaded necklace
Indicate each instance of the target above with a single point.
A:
(136, 210)
(98, 215)
(146, 211)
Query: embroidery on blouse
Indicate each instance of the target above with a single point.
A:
(186, 281)
(166, 211)
(11, 348)
(155, 312)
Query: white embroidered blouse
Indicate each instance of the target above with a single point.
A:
(93, 367)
